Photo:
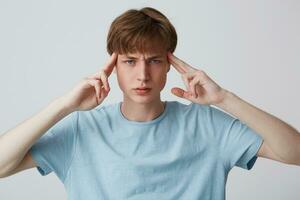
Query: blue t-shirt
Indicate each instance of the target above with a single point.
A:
(184, 153)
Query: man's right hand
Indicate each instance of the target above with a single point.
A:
(92, 90)
(86, 95)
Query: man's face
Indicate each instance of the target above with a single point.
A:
(148, 70)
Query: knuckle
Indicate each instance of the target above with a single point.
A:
(88, 81)
(199, 72)
(103, 75)
(202, 73)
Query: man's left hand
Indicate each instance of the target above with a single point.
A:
(200, 87)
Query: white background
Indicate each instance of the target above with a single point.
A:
(248, 47)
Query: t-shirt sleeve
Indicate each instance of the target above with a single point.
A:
(54, 150)
(238, 144)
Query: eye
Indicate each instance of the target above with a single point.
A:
(155, 61)
(129, 62)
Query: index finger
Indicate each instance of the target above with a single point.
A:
(108, 68)
(178, 64)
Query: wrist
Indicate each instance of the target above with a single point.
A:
(61, 104)
(226, 98)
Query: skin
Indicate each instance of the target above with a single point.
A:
(142, 70)
(85, 95)
(281, 141)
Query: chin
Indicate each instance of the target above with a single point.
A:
(140, 99)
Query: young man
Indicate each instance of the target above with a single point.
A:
(143, 148)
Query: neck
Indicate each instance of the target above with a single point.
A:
(142, 112)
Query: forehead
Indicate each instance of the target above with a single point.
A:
(147, 54)
(141, 56)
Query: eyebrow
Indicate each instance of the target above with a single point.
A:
(151, 57)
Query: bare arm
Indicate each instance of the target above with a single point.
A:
(26, 163)
(15, 143)
(281, 141)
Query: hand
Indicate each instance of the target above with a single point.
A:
(92, 90)
(200, 87)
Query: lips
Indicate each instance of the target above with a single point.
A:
(142, 88)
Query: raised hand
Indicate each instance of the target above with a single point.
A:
(92, 90)
(200, 87)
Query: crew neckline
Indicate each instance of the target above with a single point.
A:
(157, 119)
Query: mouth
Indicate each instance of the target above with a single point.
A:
(142, 90)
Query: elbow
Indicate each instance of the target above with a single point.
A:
(295, 163)
(298, 162)
(298, 149)
(4, 172)
(296, 152)
(2, 175)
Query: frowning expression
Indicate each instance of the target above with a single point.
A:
(141, 76)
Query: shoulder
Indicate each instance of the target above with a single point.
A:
(208, 113)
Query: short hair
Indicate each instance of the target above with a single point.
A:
(139, 30)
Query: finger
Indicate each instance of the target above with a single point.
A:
(180, 64)
(193, 89)
(108, 68)
(96, 75)
(186, 82)
(104, 80)
(176, 65)
(186, 79)
(97, 85)
(181, 93)
(178, 92)
(103, 77)
(103, 92)
(199, 90)
(193, 85)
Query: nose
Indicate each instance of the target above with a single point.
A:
(143, 71)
